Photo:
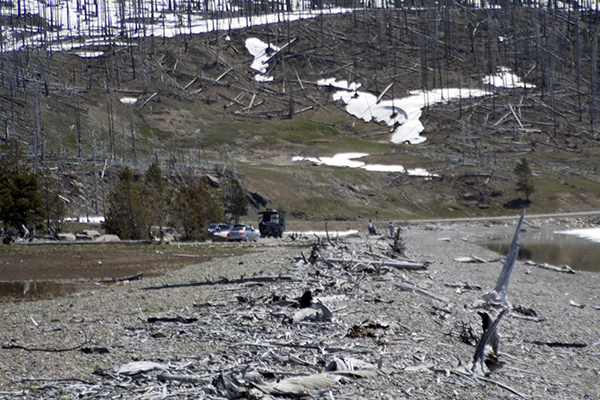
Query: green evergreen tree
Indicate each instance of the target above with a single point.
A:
(214, 207)
(194, 207)
(127, 215)
(524, 178)
(235, 201)
(55, 207)
(21, 203)
(155, 194)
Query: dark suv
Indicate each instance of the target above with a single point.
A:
(271, 223)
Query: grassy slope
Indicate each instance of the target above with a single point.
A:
(178, 124)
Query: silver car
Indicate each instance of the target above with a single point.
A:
(242, 232)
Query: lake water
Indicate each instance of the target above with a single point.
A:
(556, 248)
(41, 290)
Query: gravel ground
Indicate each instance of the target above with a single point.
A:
(72, 347)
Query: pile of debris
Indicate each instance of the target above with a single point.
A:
(348, 320)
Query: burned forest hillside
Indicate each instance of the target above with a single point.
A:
(193, 103)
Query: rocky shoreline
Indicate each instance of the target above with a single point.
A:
(232, 327)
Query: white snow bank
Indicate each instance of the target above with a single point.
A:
(261, 52)
(348, 160)
(338, 84)
(591, 234)
(110, 19)
(403, 114)
(506, 79)
(128, 100)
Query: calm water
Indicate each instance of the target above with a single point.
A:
(41, 290)
(555, 249)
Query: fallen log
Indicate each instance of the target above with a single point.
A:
(562, 268)
(379, 263)
(558, 344)
(180, 319)
(412, 288)
(165, 377)
(130, 277)
(223, 281)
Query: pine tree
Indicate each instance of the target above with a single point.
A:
(194, 207)
(524, 178)
(21, 203)
(55, 207)
(214, 207)
(155, 195)
(234, 199)
(127, 215)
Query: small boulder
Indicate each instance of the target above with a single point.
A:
(66, 237)
(107, 238)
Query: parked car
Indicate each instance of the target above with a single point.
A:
(242, 232)
(212, 228)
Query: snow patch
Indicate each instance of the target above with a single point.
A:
(506, 79)
(348, 160)
(128, 100)
(401, 114)
(591, 234)
(261, 52)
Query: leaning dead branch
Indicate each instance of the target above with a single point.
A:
(489, 337)
(398, 246)
(498, 296)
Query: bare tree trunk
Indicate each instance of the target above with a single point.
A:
(93, 143)
(594, 78)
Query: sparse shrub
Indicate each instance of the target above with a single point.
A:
(524, 178)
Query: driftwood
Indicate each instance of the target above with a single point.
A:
(179, 319)
(317, 312)
(412, 288)
(558, 344)
(487, 322)
(268, 336)
(138, 367)
(489, 337)
(10, 346)
(463, 286)
(497, 297)
(167, 377)
(562, 268)
(233, 101)
(130, 277)
(398, 246)
(300, 386)
(223, 281)
(378, 263)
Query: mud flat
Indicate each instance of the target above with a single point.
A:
(232, 327)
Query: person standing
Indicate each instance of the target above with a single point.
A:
(370, 226)
(391, 227)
